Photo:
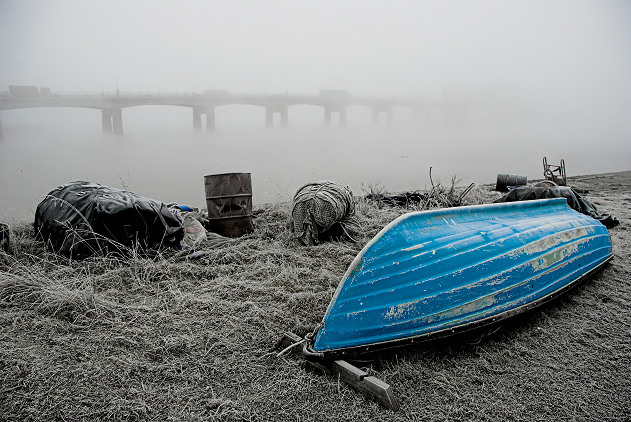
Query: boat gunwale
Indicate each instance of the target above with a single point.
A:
(537, 203)
(485, 279)
(523, 282)
(435, 218)
(481, 261)
(495, 225)
(311, 354)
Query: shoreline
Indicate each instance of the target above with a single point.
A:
(192, 337)
(15, 221)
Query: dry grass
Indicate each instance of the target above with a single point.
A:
(191, 336)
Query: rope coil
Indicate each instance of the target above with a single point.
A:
(317, 206)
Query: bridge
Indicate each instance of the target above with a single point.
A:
(203, 104)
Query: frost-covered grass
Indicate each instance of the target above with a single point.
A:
(192, 336)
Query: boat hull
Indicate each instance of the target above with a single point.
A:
(436, 273)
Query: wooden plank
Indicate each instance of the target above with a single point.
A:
(348, 371)
(369, 386)
(288, 339)
(356, 378)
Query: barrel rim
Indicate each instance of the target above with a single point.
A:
(226, 174)
(230, 217)
(236, 195)
(511, 174)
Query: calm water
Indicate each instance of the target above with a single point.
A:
(166, 161)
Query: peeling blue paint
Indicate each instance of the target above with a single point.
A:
(441, 269)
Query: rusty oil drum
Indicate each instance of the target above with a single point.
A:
(512, 180)
(229, 202)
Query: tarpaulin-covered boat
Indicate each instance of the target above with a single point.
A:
(435, 273)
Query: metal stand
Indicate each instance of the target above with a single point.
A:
(554, 173)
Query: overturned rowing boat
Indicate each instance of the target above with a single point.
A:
(436, 273)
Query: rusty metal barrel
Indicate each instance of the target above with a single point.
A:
(506, 180)
(229, 202)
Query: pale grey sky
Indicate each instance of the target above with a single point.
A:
(556, 48)
(561, 70)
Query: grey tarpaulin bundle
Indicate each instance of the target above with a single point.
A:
(316, 209)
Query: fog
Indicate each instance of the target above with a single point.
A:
(539, 78)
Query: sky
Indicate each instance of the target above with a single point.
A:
(558, 73)
(546, 47)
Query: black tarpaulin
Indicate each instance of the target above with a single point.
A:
(574, 200)
(80, 219)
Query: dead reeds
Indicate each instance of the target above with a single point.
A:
(438, 196)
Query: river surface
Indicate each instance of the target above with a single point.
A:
(168, 163)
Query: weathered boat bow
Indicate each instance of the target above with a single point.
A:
(435, 273)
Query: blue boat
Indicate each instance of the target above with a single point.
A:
(436, 273)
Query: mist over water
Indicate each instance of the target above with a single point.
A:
(161, 157)
(540, 78)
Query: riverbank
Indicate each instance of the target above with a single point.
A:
(192, 337)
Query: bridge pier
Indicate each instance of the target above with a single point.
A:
(342, 113)
(112, 120)
(210, 118)
(426, 111)
(376, 111)
(454, 113)
(197, 119)
(106, 118)
(117, 121)
(328, 111)
(284, 117)
(269, 116)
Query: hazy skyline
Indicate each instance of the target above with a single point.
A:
(560, 69)
(366, 47)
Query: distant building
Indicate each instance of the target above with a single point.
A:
(23, 91)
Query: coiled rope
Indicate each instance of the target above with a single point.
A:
(317, 206)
